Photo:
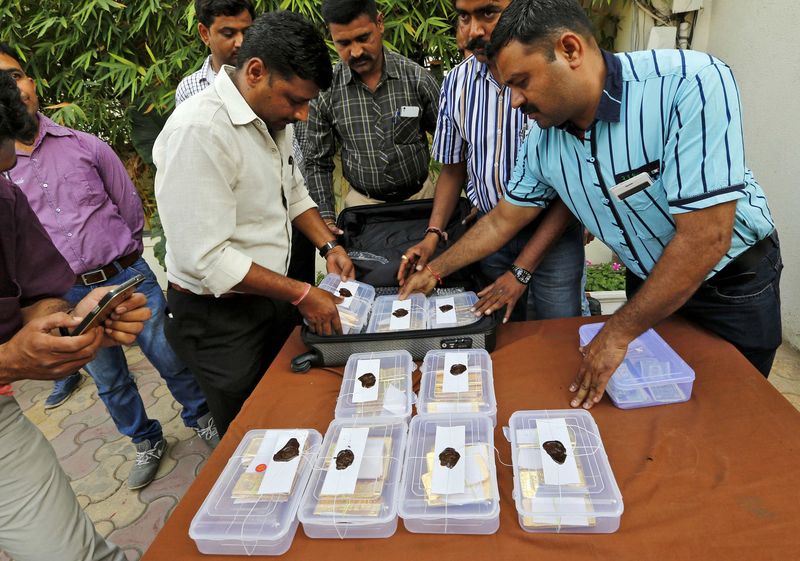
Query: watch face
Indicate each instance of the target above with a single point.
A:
(521, 275)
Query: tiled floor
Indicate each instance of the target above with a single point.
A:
(97, 458)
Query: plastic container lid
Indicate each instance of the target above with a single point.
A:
(470, 494)
(588, 500)
(452, 310)
(390, 314)
(236, 516)
(337, 502)
(649, 363)
(447, 388)
(354, 311)
(376, 385)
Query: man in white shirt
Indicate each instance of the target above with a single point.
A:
(228, 191)
(221, 25)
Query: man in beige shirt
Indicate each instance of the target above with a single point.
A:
(228, 192)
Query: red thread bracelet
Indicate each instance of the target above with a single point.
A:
(436, 275)
(302, 296)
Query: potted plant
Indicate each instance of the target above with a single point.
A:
(605, 282)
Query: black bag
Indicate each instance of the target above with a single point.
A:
(375, 237)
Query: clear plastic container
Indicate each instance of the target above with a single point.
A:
(468, 501)
(358, 298)
(452, 310)
(235, 519)
(339, 503)
(578, 496)
(446, 388)
(377, 385)
(651, 374)
(390, 314)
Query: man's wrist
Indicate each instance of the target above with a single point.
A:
(327, 247)
(522, 275)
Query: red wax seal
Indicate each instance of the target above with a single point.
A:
(261, 467)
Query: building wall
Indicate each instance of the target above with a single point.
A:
(758, 39)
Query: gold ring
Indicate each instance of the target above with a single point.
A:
(403, 257)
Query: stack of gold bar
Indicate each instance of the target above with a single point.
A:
(246, 487)
(367, 499)
(477, 484)
(462, 402)
(389, 377)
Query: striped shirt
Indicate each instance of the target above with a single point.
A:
(672, 114)
(477, 124)
(195, 82)
(381, 134)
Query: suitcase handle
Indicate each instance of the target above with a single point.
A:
(302, 363)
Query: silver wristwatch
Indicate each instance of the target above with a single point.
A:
(522, 275)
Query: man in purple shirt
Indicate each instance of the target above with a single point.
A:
(40, 517)
(84, 198)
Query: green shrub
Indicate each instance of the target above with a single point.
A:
(605, 276)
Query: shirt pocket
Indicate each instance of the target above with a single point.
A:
(406, 130)
(85, 189)
(648, 214)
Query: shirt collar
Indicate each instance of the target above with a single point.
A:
(46, 127)
(481, 70)
(238, 109)
(611, 101)
(390, 69)
(207, 71)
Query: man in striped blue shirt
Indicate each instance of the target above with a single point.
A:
(647, 150)
(477, 137)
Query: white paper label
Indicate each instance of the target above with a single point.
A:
(372, 466)
(343, 481)
(447, 481)
(395, 401)
(404, 320)
(409, 111)
(350, 287)
(528, 444)
(455, 383)
(571, 511)
(364, 367)
(448, 316)
(555, 473)
(279, 476)
(477, 458)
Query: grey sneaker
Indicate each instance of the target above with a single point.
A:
(146, 464)
(207, 430)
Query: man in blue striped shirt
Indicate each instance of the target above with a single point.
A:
(477, 137)
(647, 150)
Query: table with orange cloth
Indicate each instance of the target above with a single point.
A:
(708, 479)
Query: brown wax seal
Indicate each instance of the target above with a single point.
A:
(344, 458)
(555, 449)
(367, 380)
(344, 293)
(446, 307)
(400, 313)
(457, 369)
(449, 457)
(290, 450)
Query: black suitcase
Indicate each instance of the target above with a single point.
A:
(375, 237)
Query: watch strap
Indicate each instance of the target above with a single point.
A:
(522, 275)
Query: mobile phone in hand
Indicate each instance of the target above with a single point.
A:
(106, 305)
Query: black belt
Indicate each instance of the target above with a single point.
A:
(395, 196)
(108, 272)
(743, 266)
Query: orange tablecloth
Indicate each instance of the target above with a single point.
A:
(712, 478)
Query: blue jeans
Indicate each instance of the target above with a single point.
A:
(556, 285)
(115, 384)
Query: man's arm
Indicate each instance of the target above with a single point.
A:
(319, 148)
(506, 290)
(429, 96)
(445, 199)
(488, 235)
(119, 187)
(701, 239)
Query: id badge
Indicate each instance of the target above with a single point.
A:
(631, 186)
(409, 111)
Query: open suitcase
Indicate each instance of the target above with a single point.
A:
(375, 237)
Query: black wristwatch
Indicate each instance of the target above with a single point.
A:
(522, 275)
(325, 249)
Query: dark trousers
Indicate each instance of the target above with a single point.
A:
(302, 261)
(744, 310)
(228, 343)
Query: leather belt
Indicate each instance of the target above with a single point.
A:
(179, 288)
(108, 272)
(396, 196)
(745, 263)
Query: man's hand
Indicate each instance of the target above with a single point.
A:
(318, 308)
(416, 257)
(422, 281)
(339, 262)
(601, 358)
(35, 353)
(335, 230)
(124, 323)
(505, 291)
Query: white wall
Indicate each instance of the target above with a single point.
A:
(758, 39)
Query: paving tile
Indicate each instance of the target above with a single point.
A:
(102, 482)
(27, 392)
(92, 415)
(122, 508)
(104, 527)
(82, 463)
(176, 482)
(141, 532)
(66, 443)
(49, 422)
